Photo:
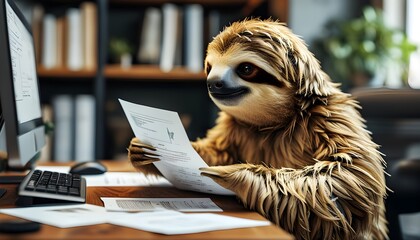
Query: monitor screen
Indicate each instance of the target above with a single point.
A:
(23, 129)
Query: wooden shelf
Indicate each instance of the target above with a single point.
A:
(65, 73)
(202, 2)
(146, 72)
(136, 72)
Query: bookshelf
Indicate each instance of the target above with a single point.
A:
(63, 72)
(148, 73)
(178, 89)
(217, 3)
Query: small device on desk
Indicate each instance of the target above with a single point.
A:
(22, 133)
(88, 168)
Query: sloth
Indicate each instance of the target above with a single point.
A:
(288, 142)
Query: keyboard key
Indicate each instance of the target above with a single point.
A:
(30, 185)
(36, 174)
(51, 188)
(41, 187)
(54, 178)
(68, 181)
(62, 189)
(76, 183)
(62, 179)
(74, 191)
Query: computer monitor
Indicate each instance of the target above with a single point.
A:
(22, 133)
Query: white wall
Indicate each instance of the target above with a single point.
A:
(307, 18)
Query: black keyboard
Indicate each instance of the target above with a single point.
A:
(54, 186)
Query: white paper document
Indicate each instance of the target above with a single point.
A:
(60, 169)
(63, 216)
(179, 162)
(123, 179)
(153, 204)
(173, 222)
(163, 221)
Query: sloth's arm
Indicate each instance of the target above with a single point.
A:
(325, 197)
(216, 148)
(213, 153)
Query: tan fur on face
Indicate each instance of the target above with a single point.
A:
(297, 151)
(265, 103)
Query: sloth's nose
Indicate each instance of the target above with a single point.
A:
(213, 85)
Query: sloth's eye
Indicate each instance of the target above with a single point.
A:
(208, 68)
(246, 70)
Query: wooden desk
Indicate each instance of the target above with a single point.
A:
(229, 204)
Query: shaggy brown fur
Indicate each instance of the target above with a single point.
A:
(292, 146)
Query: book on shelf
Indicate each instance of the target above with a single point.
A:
(194, 30)
(63, 111)
(74, 40)
(60, 41)
(150, 37)
(89, 33)
(74, 131)
(175, 35)
(179, 41)
(84, 127)
(49, 42)
(170, 14)
(68, 40)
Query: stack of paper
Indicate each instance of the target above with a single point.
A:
(153, 204)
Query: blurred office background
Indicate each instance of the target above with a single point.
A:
(90, 53)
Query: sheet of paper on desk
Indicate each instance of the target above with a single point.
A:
(122, 179)
(60, 169)
(173, 222)
(164, 221)
(179, 162)
(153, 204)
(62, 216)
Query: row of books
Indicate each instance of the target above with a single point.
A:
(173, 36)
(73, 134)
(66, 41)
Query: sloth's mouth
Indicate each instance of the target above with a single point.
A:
(229, 93)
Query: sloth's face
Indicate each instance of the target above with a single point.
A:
(261, 73)
(241, 84)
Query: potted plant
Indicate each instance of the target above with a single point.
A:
(362, 50)
(121, 51)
